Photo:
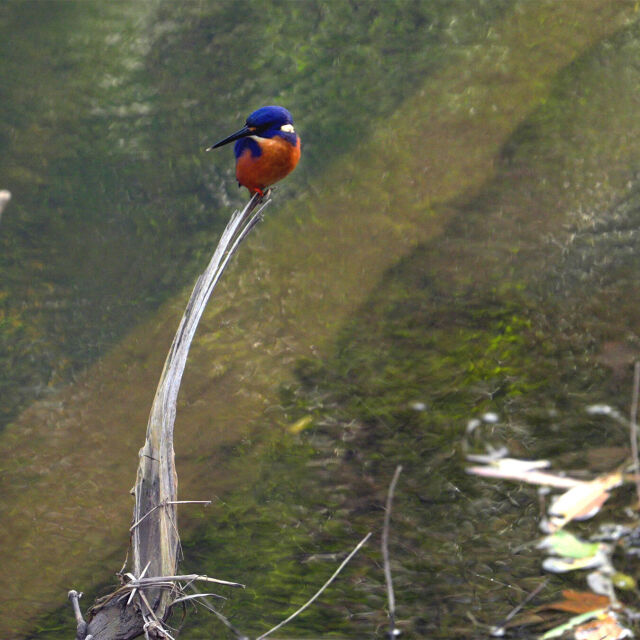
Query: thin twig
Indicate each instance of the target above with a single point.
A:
(149, 585)
(124, 564)
(499, 630)
(322, 588)
(135, 524)
(191, 576)
(223, 619)
(193, 596)
(385, 553)
(152, 613)
(136, 586)
(164, 504)
(634, 426)
(137, 580)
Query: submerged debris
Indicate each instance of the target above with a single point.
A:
(598, 611)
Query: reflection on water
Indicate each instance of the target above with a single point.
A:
(467, 246)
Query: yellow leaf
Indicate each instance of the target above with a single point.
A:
(301, 424)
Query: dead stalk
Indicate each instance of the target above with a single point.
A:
(322, 588)
(634, 427)
(385, 553)
(499, 630)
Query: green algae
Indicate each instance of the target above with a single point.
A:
(113, 195)
(515, 347)
(307, 497)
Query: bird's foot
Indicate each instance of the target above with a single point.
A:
(263, 194)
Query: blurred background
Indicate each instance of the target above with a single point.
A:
(459, 239)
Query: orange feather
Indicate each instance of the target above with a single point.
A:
(278, 159)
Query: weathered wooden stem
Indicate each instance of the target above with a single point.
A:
(81, 625)
(142, 604)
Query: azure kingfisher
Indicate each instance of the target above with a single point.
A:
(267, 148)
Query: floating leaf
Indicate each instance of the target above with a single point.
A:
(605, 627)
(301, 424)
(562, 565)
(582, 501)
(526, 471)
(497, 460)
(563, 543)
(577, 602)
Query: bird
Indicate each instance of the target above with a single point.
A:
(267, 148)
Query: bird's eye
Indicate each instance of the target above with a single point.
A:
(288, 128)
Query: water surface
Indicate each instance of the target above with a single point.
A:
(458, 239)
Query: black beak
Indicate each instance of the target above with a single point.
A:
(243, 133)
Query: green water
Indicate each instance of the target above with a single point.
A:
(106, 110)
(507, 305)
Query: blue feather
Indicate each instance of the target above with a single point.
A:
(247, 143)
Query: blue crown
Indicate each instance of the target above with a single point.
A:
(269, 116)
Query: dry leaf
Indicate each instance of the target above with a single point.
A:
(603, 628)
(497, 460)
(532, 477)
(577, 602)
(582, 501)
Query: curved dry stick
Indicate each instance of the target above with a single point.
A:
(155, 538)
(385, 553)
(309, 602)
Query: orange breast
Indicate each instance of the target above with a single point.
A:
(278, 159)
